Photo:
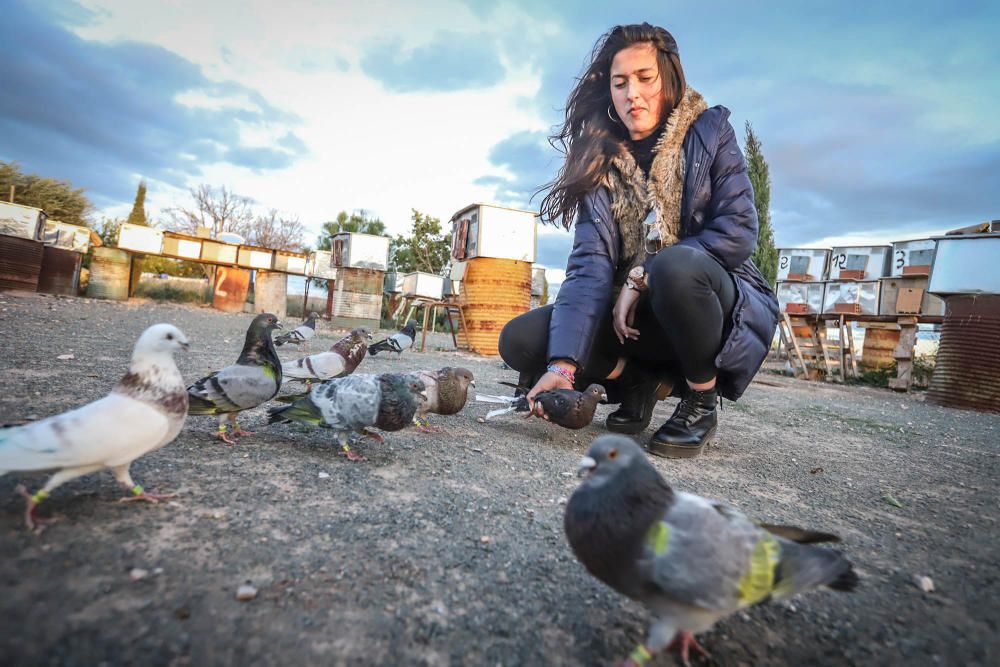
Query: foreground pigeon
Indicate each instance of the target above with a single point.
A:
(690, 560)
(303, 333)
(143, 412)
(399, 342)
(354, 404)
(565, 407)
(447, 392)
(252, 380)
(341, 360)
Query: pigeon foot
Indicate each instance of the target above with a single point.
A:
(683, 643)
(35, 524)
(221, 435)
(139, 494)
(239, 432)
(374, 436)
(351, 455)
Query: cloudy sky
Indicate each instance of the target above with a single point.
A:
(878, 121)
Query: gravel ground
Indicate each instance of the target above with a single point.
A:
(448, 548)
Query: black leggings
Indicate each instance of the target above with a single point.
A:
(682, 319)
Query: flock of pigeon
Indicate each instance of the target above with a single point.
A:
(690, 560)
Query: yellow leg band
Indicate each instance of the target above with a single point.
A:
(641, 655)
(39, 496)
(137, 490)
(222, 428)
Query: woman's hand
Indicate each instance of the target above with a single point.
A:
(548, 381)
(624, 314)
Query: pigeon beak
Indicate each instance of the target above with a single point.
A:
(586, 466)
(185, 346)
(423, 395)
(604, 398)
(472, 383)
(277, 325)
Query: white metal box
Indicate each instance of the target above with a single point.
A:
(851, 297)
(360, 251)
(485, 230)
(139, 238)
(968, 264)
(537, 281)
(426, 285)
(908, 295)
(24, 222)
(860, 262)
(290, 262)
(808, 264)
(181, 247)
(251, 257)
(320, 266)
(800, 298)
(219, 252)
(66, 236)
(913, 258)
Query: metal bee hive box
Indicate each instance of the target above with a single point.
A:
(290, 262)
(218, 252)
(66, 236)
(799, 298)
(320, 265)
(851, 297)
(913, 258)
(908, 295)
(393, 282)
(966, 265)
(23, 222)
(860, 262)
(426, 285)
(485, 230)
(180, 246)
(251, 257)
(360, 251)
(141, 239)
(808, 264)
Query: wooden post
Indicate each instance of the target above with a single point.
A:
(11, 193)
(305, 300)
(329, 298)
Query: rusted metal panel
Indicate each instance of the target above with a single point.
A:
(362, 281)
(110, 270)
(270, 293)
(20, 263)
(231, 287)
(967, 372)
(494, 291)
(60, 272)
(879, 346)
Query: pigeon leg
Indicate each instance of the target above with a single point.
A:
(346, 450)
(138, 493)
(37, 524)
(424, 425)
(683, 643)
(237, 431)
(373, 435)
(221, 433)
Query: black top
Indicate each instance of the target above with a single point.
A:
(642, 149)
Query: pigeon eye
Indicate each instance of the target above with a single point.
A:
(613, 454)
(170, 336)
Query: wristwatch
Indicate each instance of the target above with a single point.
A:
(636, 279)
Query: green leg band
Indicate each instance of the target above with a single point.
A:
(222, 427)
(137, 490)
(640, 655)
(39, 496)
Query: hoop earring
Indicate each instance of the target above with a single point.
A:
(613, 119)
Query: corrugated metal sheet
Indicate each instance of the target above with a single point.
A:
(270, 293)
(357, 295)
(110, 269)
(967, 373)
(231, 287)
(60, 272)
(494, 291)
(879, 346)
(20, 263)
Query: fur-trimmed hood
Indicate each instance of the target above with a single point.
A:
(633, 196)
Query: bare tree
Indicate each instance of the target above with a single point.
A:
(220, 211)
(270, 230)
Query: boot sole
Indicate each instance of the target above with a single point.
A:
(669, 451)
(627, 429)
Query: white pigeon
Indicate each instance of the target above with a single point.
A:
(303, 333)
(398, 342)
(144, 411)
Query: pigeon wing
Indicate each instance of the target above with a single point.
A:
(322, 366)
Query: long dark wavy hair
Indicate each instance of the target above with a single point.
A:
(592, 134)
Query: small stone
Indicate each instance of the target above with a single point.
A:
(245, 593)
(926, 584)
(65, 357)
(137, 573)
(324, 475)
(563, 500)
(485, 539)
(480, 420)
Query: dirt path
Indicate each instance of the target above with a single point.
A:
(448, 549)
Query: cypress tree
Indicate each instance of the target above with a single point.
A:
(138, 214)
(765, 255)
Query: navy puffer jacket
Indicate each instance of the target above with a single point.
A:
(717, 217)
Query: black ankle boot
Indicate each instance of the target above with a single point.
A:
(638, 396)
(690, 427)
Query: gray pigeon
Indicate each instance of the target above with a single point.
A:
(398, 342)
(303, 333)
(564, 407)
(690, 560)
(354, 404)
(252, 380)
(447, 392)
(145, 411)
(341, 360)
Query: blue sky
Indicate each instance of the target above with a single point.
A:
(878, 121)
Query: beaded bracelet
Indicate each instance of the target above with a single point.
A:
(559, 370)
